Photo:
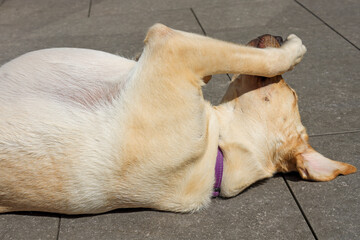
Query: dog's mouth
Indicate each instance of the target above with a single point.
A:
(265, 41)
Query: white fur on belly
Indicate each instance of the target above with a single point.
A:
(49, 110)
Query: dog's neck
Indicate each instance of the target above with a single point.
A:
(246, 150)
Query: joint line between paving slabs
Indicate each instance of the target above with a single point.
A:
(327, 24)
(198, 21)
(335, 133)
(300, 208)
(89, 11)
(58, 231)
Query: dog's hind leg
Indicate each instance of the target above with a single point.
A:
(206, 56)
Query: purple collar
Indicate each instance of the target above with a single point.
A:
(218, 172)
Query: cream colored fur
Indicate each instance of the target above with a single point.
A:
(82, 131)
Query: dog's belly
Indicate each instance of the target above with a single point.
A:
(74, 76)
(55, 140)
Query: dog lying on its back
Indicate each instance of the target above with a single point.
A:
(83, 131)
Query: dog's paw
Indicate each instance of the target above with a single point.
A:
(295, 50)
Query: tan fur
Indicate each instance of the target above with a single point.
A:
(83, 131)
(266, 134)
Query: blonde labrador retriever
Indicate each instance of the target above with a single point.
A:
(83, 131)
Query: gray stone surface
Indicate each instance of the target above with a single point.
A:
(272, 13)
(28, 226)
(333, 208)
(127, 45)
(19, 19)
(108, 24)
(327, 82)
(343, 16)
(264, 211)
(140, 6)
(214, 90)
(111, 33)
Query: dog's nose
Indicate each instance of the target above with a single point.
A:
(279, 39)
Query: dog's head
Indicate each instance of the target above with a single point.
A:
(265, 115)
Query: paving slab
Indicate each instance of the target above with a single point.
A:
(14, 12)
(214, 90)
(127, 45)
(326, 82)
(253, 13)
(28, 225)
(333, 208)
(266, 210)
(74, 30)
(18, 19)
(139, 6)
(108, 24)
(343, 16)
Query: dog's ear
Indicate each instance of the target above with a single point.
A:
(206, 79)
(137, 56)
(314, 166)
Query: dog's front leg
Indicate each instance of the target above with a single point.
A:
(207, 56)
(211, 56)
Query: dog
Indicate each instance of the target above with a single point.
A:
(85, 132)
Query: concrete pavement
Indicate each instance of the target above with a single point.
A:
(327, 82)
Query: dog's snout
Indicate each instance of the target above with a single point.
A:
(266, 40)
(279, 39)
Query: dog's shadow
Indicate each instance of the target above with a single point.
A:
(58, 215)
(293, 177)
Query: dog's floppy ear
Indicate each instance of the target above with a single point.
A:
(314, 166)
(206, 79)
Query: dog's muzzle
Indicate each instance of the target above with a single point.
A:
(266, 40)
